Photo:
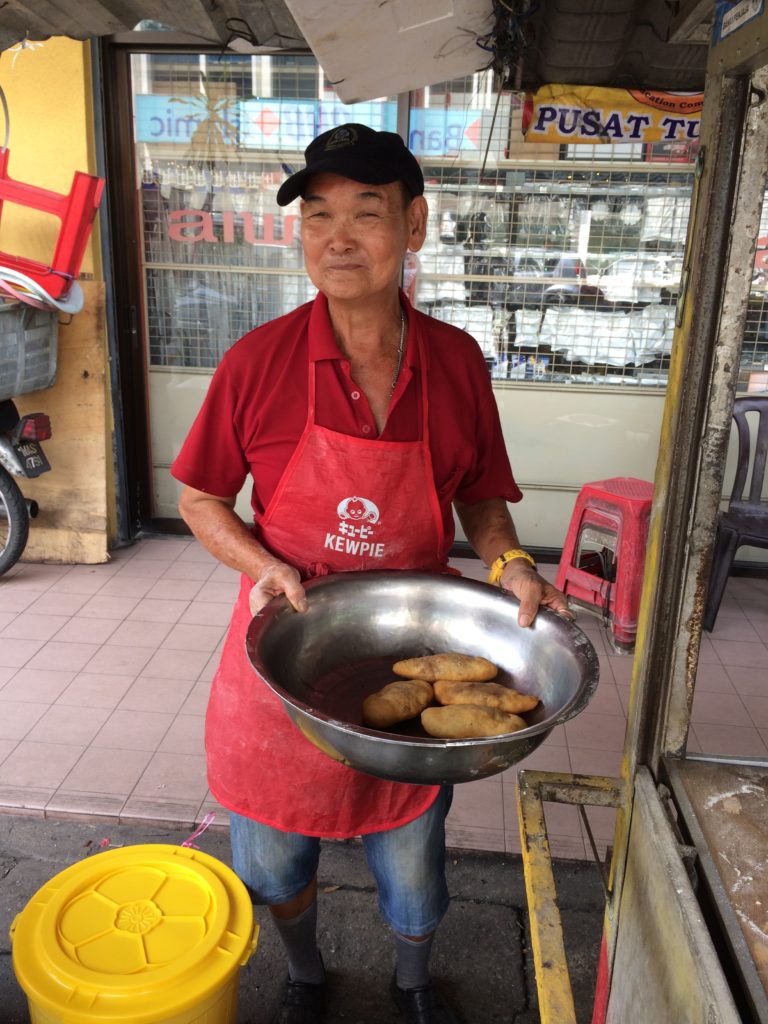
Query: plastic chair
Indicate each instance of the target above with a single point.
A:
(76, 210)
(612, 515)
(745, 521)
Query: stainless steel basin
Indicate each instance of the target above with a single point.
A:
(323, 663)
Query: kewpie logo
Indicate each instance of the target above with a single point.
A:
(354, 534)
(358, 509)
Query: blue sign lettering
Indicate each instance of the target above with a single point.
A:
(442, 132)
(175, 119)
(381, 116)
(276, 124)
(290, 125)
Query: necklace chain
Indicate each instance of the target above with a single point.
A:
(400, 350)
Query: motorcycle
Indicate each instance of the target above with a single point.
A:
(21, 455)
(21, 451)
(53, 288)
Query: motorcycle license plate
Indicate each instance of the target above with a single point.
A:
(32, 458)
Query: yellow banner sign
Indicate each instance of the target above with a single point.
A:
(583, 114)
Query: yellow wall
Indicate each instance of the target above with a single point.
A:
(48, 90)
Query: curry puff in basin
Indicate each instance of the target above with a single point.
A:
(325, 663)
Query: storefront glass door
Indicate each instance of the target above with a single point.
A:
(214, 136)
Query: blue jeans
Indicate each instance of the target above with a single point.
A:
(408, 864)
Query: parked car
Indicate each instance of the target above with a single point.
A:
(644, 278)
(478, 263)
(536, 279)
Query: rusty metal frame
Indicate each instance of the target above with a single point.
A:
(754, 990)
(553, 981)
(666, 967)
(728, 193)
(730, 182)
(712, 405)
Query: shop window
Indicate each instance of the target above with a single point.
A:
(231, 77)
(753, 366)
(294, 76)
(564, 262)
(172, 71)
(214, 138)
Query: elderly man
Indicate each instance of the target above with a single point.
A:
(355, 397)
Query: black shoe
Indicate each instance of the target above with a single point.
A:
(421, 1005)
(302, 1003)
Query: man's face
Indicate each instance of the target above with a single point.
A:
(355, 236)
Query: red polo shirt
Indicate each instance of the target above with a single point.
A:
(256, 410)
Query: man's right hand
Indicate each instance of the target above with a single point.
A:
(213, 520)
(277, 578)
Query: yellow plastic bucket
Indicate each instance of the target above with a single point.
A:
(149, 934)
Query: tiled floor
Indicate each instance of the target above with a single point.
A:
(104, 674)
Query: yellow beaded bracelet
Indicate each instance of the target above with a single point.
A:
(498, 566)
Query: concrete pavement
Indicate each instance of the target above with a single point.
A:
(481, 955)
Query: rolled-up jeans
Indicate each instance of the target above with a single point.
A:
(408, 864)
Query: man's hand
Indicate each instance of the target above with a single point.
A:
(220, 530)
(489, 529)
(532, 591)
(277, 578)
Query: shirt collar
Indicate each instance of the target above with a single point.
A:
(322, 344)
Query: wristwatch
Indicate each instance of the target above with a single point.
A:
(498, 566)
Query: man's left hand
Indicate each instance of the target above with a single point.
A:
(533, 592)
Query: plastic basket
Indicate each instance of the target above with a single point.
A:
(28, 348)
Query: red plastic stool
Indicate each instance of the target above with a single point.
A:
(612, 515)
(76, 210)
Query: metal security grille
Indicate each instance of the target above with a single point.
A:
(219, 256)
(753, 368)
(564, 262)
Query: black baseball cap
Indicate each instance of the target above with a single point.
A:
(360, 153)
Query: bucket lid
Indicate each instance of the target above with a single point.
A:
(135, 934)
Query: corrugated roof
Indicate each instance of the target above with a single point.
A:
(213, 22)
(623, 43)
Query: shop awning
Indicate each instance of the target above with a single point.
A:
(641, 44)
(259, 22)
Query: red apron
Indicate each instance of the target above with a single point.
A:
(343, 504)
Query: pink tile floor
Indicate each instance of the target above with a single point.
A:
(104, 675)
